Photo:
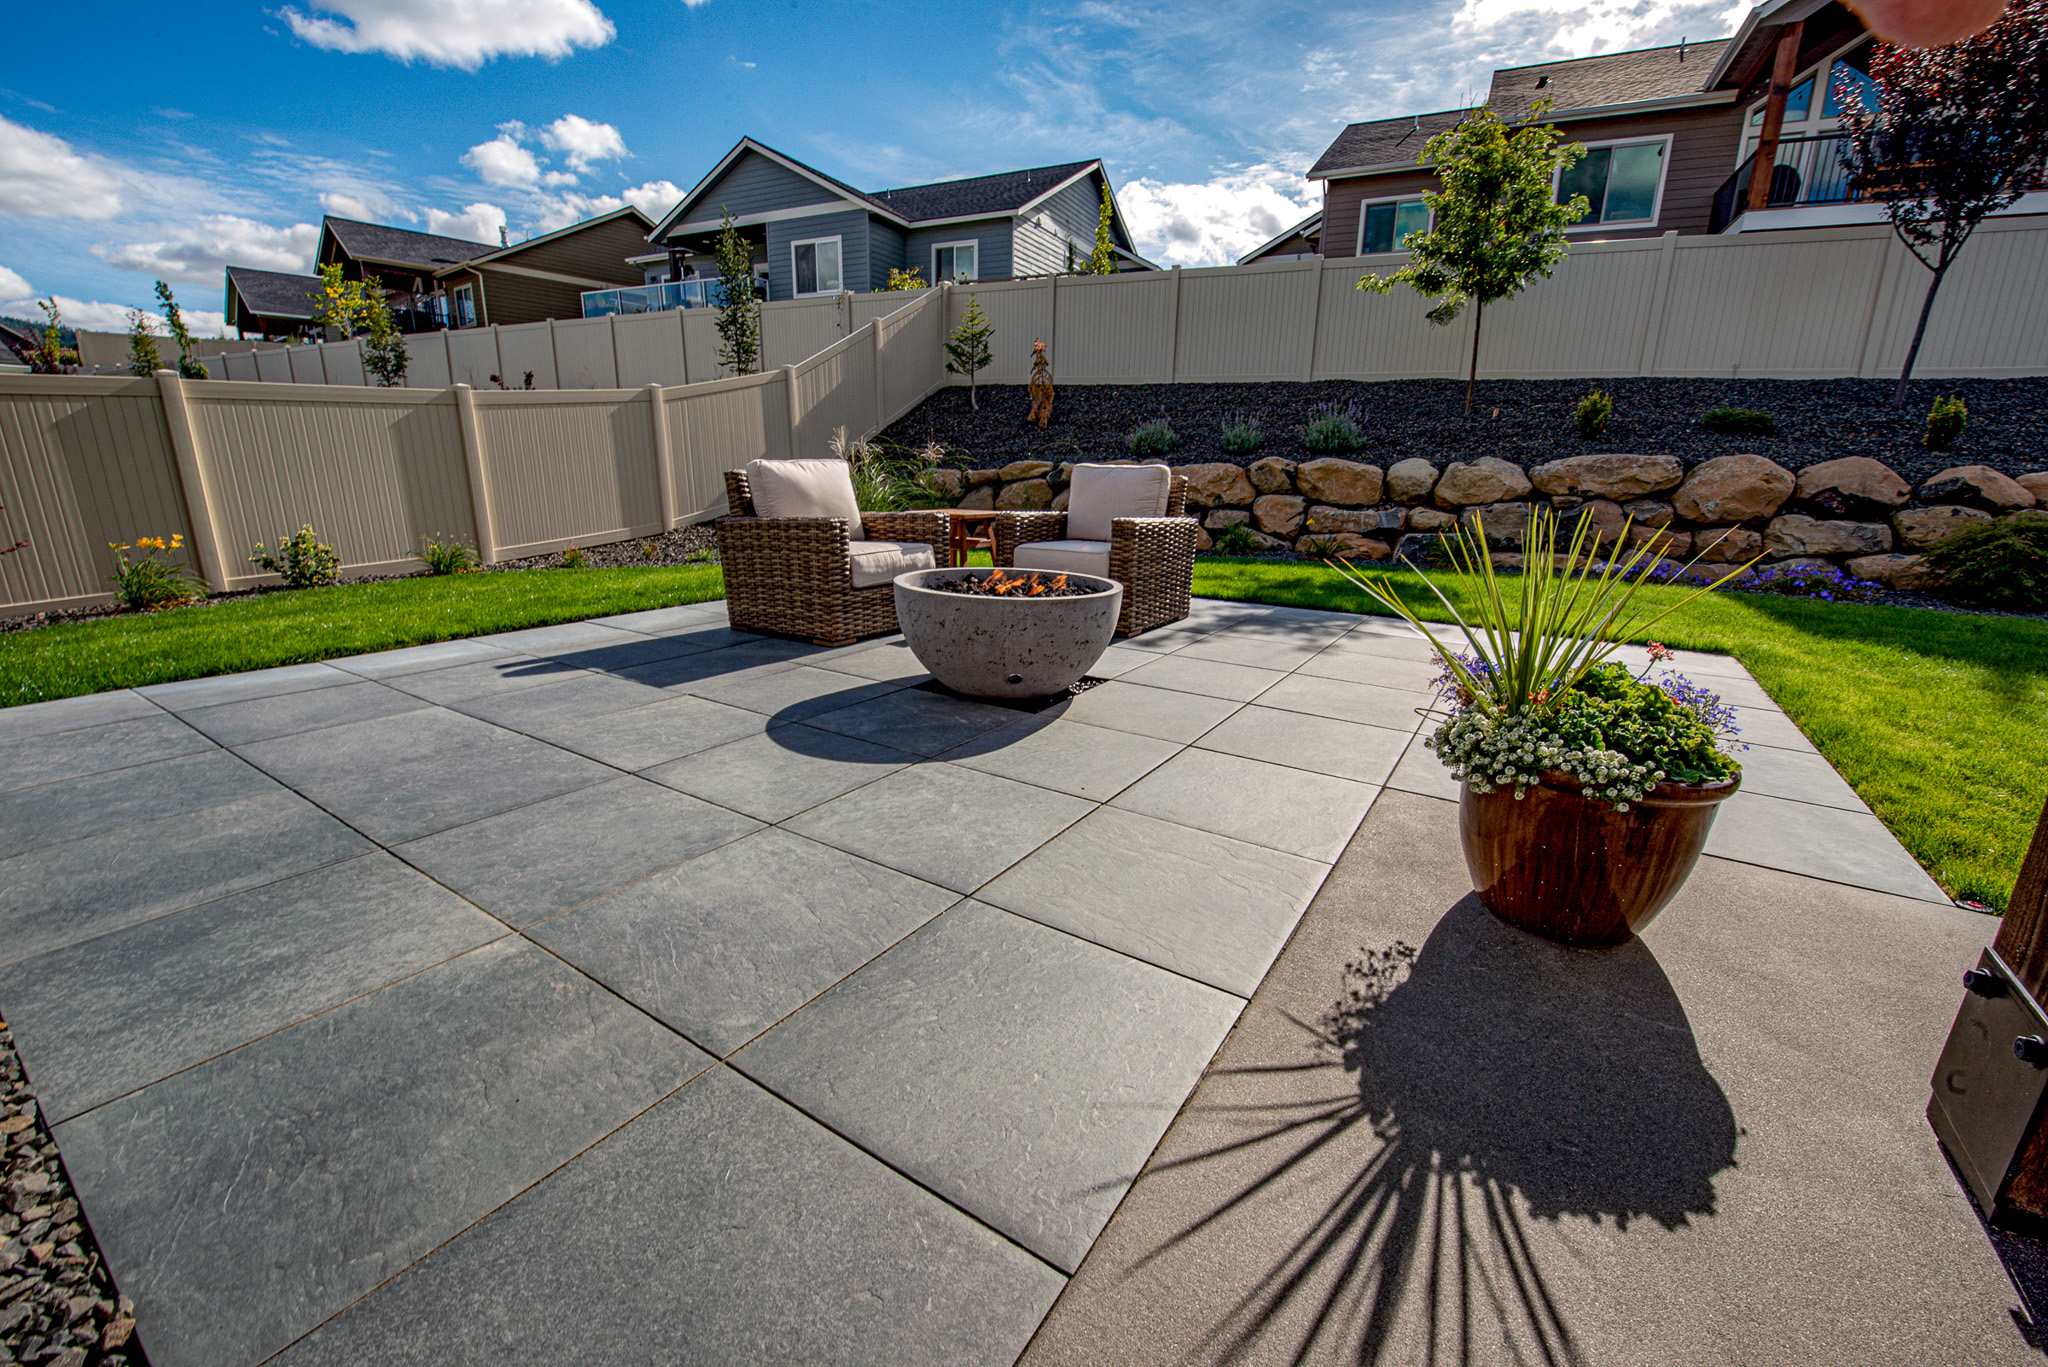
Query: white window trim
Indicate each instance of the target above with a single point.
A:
(461, 292)
(973, 242)
(794, 293)
(1365, 204)
(1656, 204)
(1814, 119)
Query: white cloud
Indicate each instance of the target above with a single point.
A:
(94, 316)
(1213, 223)
(458, 33)
(195, 253)
(583, 142)
(476, 223)
(1579, 28)
(654, 198)
(41, 177)
(369, 208)
(502, 161)
(12, 283)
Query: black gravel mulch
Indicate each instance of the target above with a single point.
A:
(1525, 421)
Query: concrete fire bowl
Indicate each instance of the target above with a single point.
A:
(1005, 647)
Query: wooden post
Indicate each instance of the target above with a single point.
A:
(789, 388)
(1784, 66)
(2023, 930)
(1313, 272)
(1653, 324)
(192, 476)
(479, 486)
(665, 470)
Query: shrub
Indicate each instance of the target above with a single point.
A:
(1334, 427)
(1739, 422)
(1154, 438)
(912, 279)
(1320, 548)
(301, 561)
(1592, 414)
(2002, 564)
(1945, 423)
(447, 557)
(151, 582)
(572, 558)
(1242, 433)
(648, 550)
(1236, 539)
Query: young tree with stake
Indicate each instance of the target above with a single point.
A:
(143, 357)
(968, 349)
(1496, 226)
(1959, 132)
(188, 364)
(739, 315)
(1102, 261)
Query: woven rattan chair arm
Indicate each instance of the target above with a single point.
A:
(1012, 530)
(928, 527)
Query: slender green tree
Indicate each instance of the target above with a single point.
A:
(1102, 261)
(188, 364)
(384, 353)
(967, 349)
(1496, 225)
(48, 357)
(739, 315)
(143, 357)
(343, 305)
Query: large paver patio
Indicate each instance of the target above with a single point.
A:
(640, 991)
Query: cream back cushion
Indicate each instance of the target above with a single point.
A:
(1103, 492)
(804, 488)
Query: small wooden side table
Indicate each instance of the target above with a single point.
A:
(969, 530)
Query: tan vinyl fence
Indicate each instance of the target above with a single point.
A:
(85, 461)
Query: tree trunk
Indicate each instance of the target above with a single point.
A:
(1913, 352)
(973, 399)
(1472, 371)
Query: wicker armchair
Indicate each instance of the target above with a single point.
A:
(794, 575)
(1152, 557)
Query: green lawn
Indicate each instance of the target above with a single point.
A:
(1936, 719)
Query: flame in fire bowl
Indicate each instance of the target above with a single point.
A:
(1006, 633)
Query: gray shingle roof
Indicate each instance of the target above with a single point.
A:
(998, 194)
(1385, 142)
(270, 294)
(424, 251)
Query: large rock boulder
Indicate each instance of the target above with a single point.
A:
(1216, 484)
(1662, 541)
(1345, 482)
(1895, 571)
(1025, 495)
(1650, 512)
(1357, 521)
(1920, 528)
(946, 483)
(981, 498)
(1061, 499)
(1727, 545)
(1503, 523)
(1410, 480)
(1226, 517)
(977, 478)
(1350, 546)
(1272, 475)
(1740, 488)
(1430, 520)
(1609, 475)
(1471, 484)
(1797, 535)
(1025, 469)
(1854, 486)
(1606, 516)
(1979, 486)
(2035, 484)
(1278, 514)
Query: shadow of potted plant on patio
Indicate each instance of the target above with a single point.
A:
(1499, 1082)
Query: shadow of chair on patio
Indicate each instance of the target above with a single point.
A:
(1497, 1079)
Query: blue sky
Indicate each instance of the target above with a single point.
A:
(145, 142)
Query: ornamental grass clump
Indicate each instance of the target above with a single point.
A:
(1534, 693)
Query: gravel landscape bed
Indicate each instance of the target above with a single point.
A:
(1525, 421)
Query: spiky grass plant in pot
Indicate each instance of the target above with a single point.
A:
(1586, 790)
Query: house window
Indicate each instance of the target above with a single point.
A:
(1620, 181)
(956, 261)
(465, 306)
(1849, 83)
(1387, 226)
(1797, 103)
(816, 266)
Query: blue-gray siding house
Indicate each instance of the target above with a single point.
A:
(813, 234)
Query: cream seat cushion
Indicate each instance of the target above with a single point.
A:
(804, 488)
(1103, 492)
(1064, 557)
(877, 562)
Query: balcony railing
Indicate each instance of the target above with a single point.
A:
(675, 294)
(1808, 169)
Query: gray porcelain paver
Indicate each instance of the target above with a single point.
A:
(883, 663)
(1767, 726)
(54, 757)
(754, 657)
(722, 1227)
(242, 1202)
(254, 683)
(573, 848)
(479, 678)
(558, 704)
(561, 637)
(949, 825)
(61, 894)
(914, 720)
(1162, 640)
(1066, 756)
(285, 714)
(1187, 674)
(683, 617)
(118, 1012)
(732, 942)
(1820, 842)
(73, 809)
(794, 694)
(775, 774)
(1366, 704)
(72, 714)
(1421, 772)
(640, 737)
(1312, 815)
(1258, 651)
(1800, 775)
(630, 652)
(1361, 666)
(1205, 906)
(1015, 1070)
(1161, 713)
(1324, 745)
(387, 664)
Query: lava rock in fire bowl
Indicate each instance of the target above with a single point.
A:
(997, 633)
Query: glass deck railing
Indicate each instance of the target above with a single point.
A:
(675, 294)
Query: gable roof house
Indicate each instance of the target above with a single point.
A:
(813, 234)
(1734, 135)
(403, 262)
(270, 303)
(545, 276)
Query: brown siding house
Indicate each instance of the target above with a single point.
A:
(545, 277)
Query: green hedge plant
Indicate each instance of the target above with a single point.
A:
(2001, 565)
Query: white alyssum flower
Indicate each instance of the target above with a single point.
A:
(1520, 749)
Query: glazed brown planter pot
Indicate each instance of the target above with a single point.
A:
(1574, 870)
